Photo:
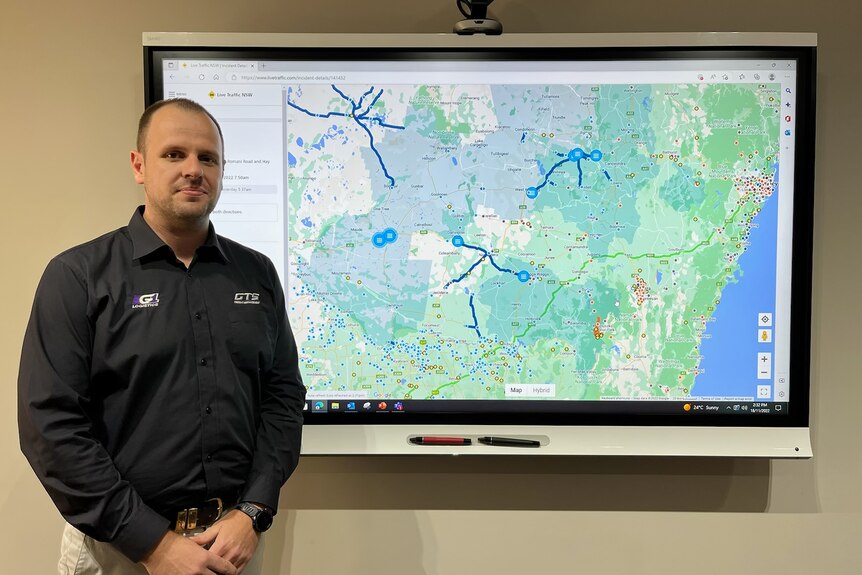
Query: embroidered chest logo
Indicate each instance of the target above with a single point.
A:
(246, 298)
(145, 300)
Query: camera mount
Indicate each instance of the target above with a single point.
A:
(476, 18)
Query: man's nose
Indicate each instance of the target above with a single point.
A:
(193, 168)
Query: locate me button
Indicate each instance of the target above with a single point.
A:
(764, 365)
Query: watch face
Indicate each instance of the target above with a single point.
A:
(262, 521)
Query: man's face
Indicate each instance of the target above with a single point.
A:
(181, 169)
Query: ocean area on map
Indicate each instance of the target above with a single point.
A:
(730, 355)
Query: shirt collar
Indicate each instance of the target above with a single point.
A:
(145, 241)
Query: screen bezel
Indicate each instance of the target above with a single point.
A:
(635, 414)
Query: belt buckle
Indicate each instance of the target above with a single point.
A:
(187, 519)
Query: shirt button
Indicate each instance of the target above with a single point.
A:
(203, 362)
(209, 410)
(209, 457)
(197, 315)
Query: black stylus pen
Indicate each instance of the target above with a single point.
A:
(509, 442)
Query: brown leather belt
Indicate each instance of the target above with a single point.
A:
(199, 517)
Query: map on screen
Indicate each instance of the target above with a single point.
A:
(568, 242)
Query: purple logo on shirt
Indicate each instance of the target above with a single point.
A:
(145, 300)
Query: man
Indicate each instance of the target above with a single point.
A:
(159, 389)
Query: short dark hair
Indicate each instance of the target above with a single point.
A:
(181, 103)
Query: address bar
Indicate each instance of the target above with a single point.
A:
(293, 77)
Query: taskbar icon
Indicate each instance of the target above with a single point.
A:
(353, 406)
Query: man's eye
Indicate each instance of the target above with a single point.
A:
(173, 155)
(207, 160)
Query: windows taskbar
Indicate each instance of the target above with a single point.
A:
(454, 406)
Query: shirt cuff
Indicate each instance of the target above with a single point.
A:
(141, 535)
(263, 491)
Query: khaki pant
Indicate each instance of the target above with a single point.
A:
(82, 555)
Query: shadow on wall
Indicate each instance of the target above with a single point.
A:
(530, 483)
(341, 542)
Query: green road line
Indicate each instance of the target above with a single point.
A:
(584, 265)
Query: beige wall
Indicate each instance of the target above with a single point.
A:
(70, 91)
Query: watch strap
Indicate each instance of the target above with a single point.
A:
(261, 519)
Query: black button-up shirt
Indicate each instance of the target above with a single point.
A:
(145, 386)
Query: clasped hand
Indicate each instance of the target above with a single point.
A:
(223, 549)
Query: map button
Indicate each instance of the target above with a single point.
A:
(764, 319)
(764, 335)
(764, 391)
(531, 390)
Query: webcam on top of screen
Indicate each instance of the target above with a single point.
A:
(476, 19)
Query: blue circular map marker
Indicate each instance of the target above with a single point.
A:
(390, 235)
(524, 276)
(532, 193)
(576, 154)
(596, 155)
(378, 240)
(457, 241)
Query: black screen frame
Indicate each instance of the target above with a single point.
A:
(626, 413)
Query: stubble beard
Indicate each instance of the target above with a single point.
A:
(180, 213)
(195, 213)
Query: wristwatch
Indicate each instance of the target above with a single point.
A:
(261, 519)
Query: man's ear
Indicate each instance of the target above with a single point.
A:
(137, 160)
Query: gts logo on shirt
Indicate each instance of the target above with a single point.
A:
(246, 297)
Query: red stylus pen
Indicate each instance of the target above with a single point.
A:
(439, 440)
